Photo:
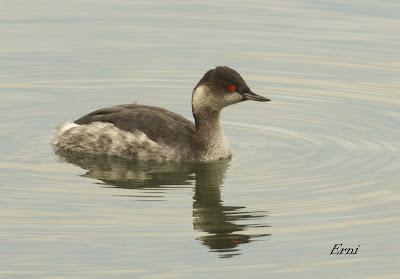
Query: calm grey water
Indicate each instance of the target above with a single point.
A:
(318, 165)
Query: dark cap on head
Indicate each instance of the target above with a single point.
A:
(222, 78)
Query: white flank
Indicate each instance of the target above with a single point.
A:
(106, 139)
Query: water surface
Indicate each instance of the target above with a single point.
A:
(318, 165)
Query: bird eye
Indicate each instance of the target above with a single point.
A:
(232, 88)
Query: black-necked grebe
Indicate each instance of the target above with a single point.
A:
(151, 133)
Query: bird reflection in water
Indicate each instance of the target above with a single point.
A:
(224, 227)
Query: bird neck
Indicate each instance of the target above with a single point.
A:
(209, 136)
(206, 121)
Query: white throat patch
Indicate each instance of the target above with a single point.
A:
(203, 98)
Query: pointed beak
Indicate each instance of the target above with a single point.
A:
(254, 97)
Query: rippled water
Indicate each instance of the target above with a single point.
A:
(318, 165)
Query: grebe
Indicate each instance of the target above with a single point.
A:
(142, 132)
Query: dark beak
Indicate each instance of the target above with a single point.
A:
(254, 97)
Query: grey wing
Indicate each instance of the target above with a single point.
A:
(158, 124)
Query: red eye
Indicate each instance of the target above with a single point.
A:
(232, 88)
